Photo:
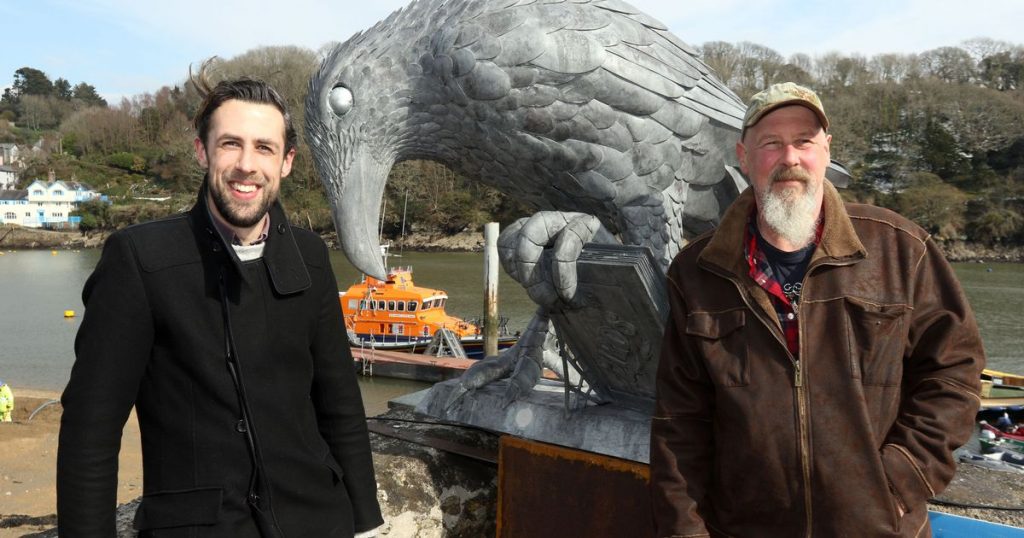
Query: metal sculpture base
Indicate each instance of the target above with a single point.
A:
(541, 415)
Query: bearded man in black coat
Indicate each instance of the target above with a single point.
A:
(222, 327)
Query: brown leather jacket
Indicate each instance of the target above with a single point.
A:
(747, 441)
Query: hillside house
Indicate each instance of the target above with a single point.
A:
(8, 177)
(45, 204)
(10, 155)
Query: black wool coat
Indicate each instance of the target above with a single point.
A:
(289, 442)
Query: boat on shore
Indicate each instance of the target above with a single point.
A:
(395, 314)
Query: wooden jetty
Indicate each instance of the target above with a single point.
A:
(413, 366)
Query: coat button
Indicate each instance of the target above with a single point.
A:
(240, 426)
(216, 247)
(281, 228)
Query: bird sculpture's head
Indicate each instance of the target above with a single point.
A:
(356, 113)
(380, 98)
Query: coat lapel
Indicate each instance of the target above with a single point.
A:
(285, 265)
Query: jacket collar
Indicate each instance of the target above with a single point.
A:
(285, 265)
(839, 241)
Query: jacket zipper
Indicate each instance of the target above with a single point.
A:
(798, 378)
(803, 410)
(267, 527)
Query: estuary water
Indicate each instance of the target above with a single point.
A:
(37, 341)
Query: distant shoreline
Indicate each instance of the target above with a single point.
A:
(35, 239)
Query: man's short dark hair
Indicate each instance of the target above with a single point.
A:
(249, 90)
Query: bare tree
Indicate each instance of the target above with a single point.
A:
(723, 58)
(980, 48)
(891, 67)
(949, 64)
(37, 111)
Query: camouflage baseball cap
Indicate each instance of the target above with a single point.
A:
(782, 94)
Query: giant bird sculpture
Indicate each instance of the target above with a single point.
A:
(588, 110)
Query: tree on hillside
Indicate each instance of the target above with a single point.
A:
(941, 153)
(980, 48)
(837, 71)
(891, 67)
(99, 130)
(934, 205)
(949, 64)
(1003, 71)
(723, 59)
(87, 94)
(37, 111)
(31, 81)
(62, 89)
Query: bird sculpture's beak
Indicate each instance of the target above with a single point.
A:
(357, 213)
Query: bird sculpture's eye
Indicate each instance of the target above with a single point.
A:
(340, 100)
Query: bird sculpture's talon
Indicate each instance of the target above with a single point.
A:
(511, 395)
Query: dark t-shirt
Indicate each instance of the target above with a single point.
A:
(788, 268)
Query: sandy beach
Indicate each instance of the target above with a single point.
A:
(29, 470)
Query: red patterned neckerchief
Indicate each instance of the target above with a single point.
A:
(761, 272)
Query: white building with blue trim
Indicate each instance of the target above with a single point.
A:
(45, 204)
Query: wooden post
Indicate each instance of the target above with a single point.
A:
(490, 289)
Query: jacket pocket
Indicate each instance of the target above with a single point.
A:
(723, 345)
(876, 339)
(332, 465)
(168, 509)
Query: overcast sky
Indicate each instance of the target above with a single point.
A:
(129, 47)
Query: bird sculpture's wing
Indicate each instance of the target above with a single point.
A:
(602, 97)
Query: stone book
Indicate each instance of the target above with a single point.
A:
(612, 331)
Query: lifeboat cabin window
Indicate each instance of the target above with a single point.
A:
(440, 302)
(401, 306)
(352, 304)
(426, 305)
(412, 306)
(426, 331)
(397, 328)
(391, 306)
(380, 305)
(362, 305)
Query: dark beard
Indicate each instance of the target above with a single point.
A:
(232, 217)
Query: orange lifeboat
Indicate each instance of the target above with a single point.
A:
(396, 313)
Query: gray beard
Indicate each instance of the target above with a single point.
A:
(789, 214)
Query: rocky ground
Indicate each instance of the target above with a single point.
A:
(959, 251)
(33, 238)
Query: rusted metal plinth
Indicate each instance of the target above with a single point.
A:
(551, 491)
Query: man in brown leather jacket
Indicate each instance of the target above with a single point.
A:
(820, 363)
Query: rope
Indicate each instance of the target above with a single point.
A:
(941, 502)
(40, 408)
